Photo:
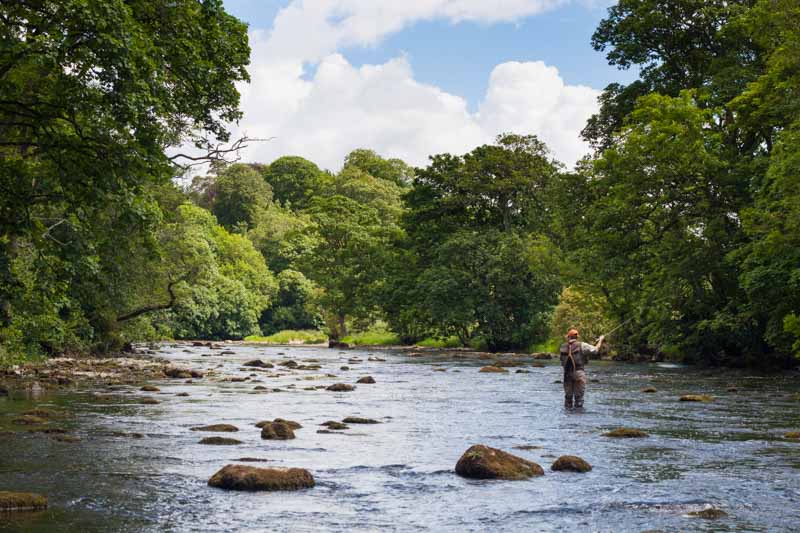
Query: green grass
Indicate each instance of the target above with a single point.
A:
(430, 342)
(374, 338)
(291, 336)
(549, 346)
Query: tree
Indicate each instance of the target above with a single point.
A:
(394, 170)
(294, 305)
(294, 180)
(346, 259)
(92, 95)
(476, 261)
(241, 196)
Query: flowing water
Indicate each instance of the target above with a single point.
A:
(398, 475)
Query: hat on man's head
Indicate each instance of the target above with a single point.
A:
(572, 333)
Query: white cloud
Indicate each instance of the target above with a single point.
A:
(382, 106)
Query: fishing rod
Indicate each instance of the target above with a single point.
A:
(615, 329)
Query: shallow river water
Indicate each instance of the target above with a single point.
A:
(398, 475)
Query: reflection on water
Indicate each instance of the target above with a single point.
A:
(139, 468)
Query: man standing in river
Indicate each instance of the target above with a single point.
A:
(574, 357)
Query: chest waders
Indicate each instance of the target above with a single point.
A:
(574, 379)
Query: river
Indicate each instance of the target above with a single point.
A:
(398, 475)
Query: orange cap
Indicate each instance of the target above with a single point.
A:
(572, 333)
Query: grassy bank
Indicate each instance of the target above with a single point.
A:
(291, 336)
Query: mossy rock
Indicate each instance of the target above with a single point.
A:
(345, 368)
(483, 462)
(523, 371)
(340, 387)
(21, 501)
(220, 441)
(626, 433)
(250, 478)
(29, 420)
(711, 513)
(570, 463)
(150, 388)
(218, 428)
(258, 363)
(333, 424)
(277, 431)
(359, 420)
(368, 380)
(291, 423)
(794, 435)
(149, 401)
(493, 370)
(696, 398)
(649, 390)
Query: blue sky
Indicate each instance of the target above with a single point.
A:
(458, 67)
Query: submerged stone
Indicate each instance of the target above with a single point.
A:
(793, 435)
(149, 401)
(150, 388)
(250, 478)
(696, 398)
(711, 513)
(21, 501)
(626, 433)
(483, 462)
(333, 424)
(366, 380)
(216, 428)
(649, 390)
(223, 441)
(359, 420)
(492, 369)
(571, 463)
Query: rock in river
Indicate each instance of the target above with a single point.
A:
(710, 513)
(359, 420)
(277, 431)
(292, 424)
(150, 388)
(367, 380)
(333, 424)
(250, 478)
(483, 462)
(626, 433)
(258, 363)
(697, 398)
(492, 369)
(21, 501)
(223, 441)
(570, 463)
(649, 390)
(794, 435)
(219, 428)
(340, 387)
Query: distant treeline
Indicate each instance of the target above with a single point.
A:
(684, 221)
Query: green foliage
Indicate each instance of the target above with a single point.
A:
(240, 197)
(291, 337)
(372, 338)
(294, 307)
(391, 170)
(91, 96)
(293, 180)
(232, 285)
(431, 342)
(581, 309)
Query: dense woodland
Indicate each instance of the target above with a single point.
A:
(684, 220)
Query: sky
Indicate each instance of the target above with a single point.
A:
(412, 78)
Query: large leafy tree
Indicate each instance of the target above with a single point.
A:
(474, 259)
(92, 95)
(294, 180)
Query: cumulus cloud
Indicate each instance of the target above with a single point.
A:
(383, 107)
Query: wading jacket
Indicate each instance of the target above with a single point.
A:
(580, 354)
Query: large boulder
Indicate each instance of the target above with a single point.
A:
(251, 478)
(277, 431)
(21, 501)
(570, 463)
(291, 423)
(483, 462)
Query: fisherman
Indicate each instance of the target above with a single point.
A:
(574, 357)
